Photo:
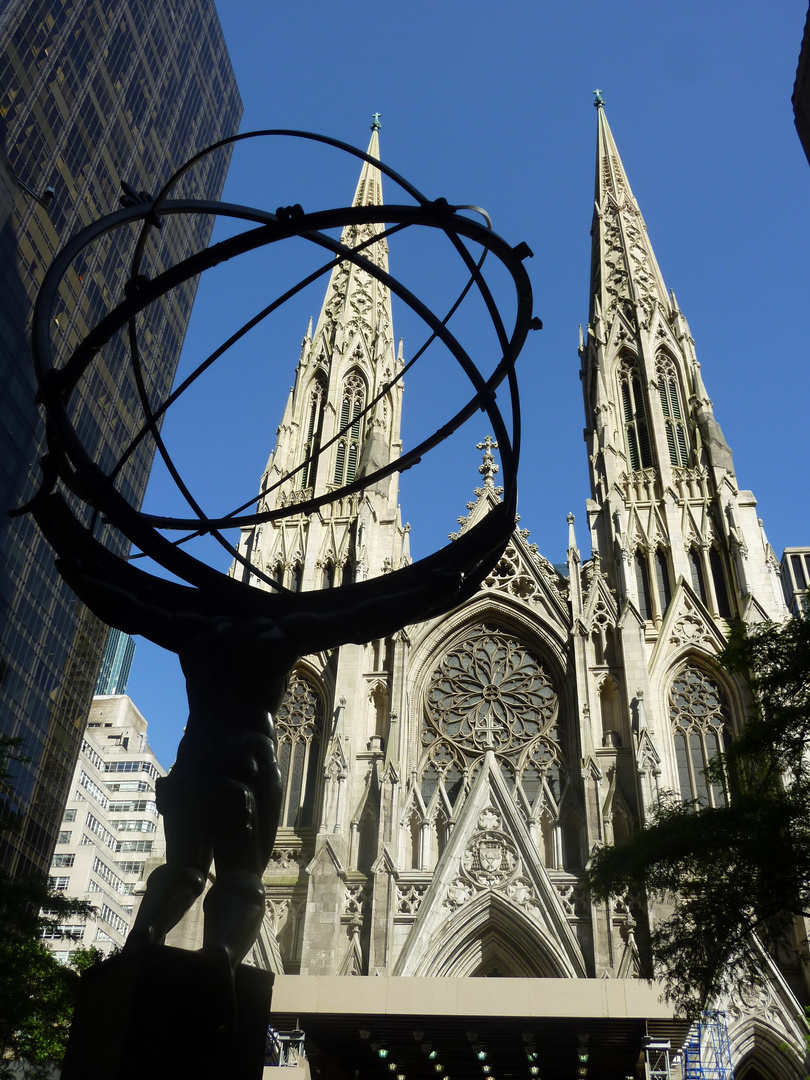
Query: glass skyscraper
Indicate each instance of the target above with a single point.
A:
(92, 92)
(116, 664)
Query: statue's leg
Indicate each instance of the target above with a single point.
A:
(171, 889)
(244, 831)
(234, 906)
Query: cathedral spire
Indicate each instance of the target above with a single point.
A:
(624, 265)
(369, 186)
(342, 419)
(662, 474)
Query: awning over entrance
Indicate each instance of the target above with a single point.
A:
(392, 1027)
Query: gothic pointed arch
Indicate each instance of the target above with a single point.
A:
(634, 413)
(353, 397)
(492, 692)
(701, 727)
(315, 401)
(670, 395)
(493, 936)
(759, 1052)
(299, 730)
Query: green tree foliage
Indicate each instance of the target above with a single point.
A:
(737, 876)
(37, 993)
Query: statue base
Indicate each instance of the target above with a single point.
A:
(162, 1014)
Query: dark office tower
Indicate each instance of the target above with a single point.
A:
(91, 93)
(116, 664)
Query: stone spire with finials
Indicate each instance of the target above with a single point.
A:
(665, 500)
(344, 364)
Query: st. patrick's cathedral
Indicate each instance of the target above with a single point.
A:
(444, 787)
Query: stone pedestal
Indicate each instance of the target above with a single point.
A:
(161, 1014)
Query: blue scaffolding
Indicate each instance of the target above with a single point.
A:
(707, 1052)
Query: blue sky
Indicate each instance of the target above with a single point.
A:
(492, 105)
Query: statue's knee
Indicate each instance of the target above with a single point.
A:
(241, 884)
(170, 878)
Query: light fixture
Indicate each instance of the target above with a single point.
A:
(583, 1055)
(419, 1035)
(486, 1069)
(364, 1033)
(438, 1066)
(427, 1047)
(528, 1037)
(534, 1070)
(531, 1055)
(583, 1070)
(472, 1036)
(400, 1076)
(433, 1055)
(392, 1065)
(383, 1052)
(481, 1054)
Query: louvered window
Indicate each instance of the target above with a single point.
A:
(314, 425)
(347, 454)
(677, 442)
(636, 428)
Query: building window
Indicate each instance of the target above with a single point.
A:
(63, 861)
(696, 573)
(677, 441)
(347, 454)
(662, 579)
(64, 836)
(314, 428)
(636, 428)
(701, 729)
(134, 825)
(719, 581)
(58, 883)
(70, 815)
(90, 785)
(299, 724)
(643, 586)
(490, 693)
(134, 845)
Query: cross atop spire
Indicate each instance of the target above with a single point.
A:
(375, 121)
(599, 101)
(488, 468)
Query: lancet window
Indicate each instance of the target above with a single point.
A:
(488, 693)
(663, 579)
(677, 441)
(634, 410)
(312, 448)
(347, 454)
(299, 724)
(643, 586)
(719, 582)
(696, 573)
(701, 729)
(653, 583)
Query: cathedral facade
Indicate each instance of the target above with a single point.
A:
(444, 787)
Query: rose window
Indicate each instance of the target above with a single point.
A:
(490, 693)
